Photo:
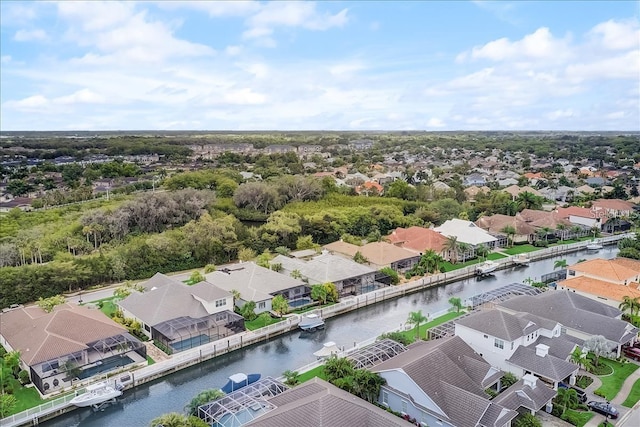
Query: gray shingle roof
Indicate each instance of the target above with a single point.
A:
(548, 366)
(317, 403)
(324, 268)
(521, 395)
(576, 312)
(451, 374)
(172, 300)
(559, 347)
(503, 325)
(254, 283)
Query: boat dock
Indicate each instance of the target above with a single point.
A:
(211, 350)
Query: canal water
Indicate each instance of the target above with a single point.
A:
(137, 407)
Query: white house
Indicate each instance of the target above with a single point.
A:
(520, 343)
(467, 232)
(431, 379)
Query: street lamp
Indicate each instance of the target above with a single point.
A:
(80, 300)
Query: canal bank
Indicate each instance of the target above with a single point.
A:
(274, 355)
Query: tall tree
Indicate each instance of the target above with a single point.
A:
(452, 246)
(280, 305)
(456, 304)
(203, 398)
(416, 318)
(510, 231)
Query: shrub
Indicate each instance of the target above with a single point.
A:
(397, 337)
(393, 275)
(23, 376)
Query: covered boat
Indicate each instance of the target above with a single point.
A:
(522, 259)
(239, 380)
(311, 322)
(594, 245)
(328, 349)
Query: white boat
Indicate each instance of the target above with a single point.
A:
(328, 349)
(594, 245)
(311, 322)
(97, 394)
(521, 259)
(486, 268)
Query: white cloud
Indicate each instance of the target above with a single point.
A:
(617, 35)
(215, 8)
(83, 96)
(245, 96)
(5, 59)
(291, 14)
(435, 122)
(560, 114)
(539, 45)
(30, 35)
(29, 103)
(233, 50)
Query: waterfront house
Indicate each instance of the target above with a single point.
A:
(442, 382)
(467, 232)
(580, 317)
(521, 343)
(607, 281)
(377, 254)
(68, 344)
(260, 285)
(178, 316)
(419, 240)
(319, 403)
(349, 277)
(496, 223)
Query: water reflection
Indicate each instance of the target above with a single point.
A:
(292, 351)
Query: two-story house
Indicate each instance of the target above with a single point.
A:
(520, 343)
(442, 383)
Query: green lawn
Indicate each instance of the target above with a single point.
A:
(634, 395)
(150, 361)
(315, 372)
(312, 307)
(521, 249)
(447, 266)
(611, 384)
(411, 333)
(494, 256)
(26, 397)
(258, 323)
(578, 418)
(108, 305)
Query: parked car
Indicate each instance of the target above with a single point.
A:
(604, 408)
(582, 396)
(632, 352)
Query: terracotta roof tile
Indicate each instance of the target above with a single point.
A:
(601, 288)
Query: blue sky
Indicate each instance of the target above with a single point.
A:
(234, 65)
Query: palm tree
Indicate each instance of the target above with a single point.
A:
(561, 263)
(452, 246)
(456, 304)
(567, 398)
(337, 367)
(291, 377)
(562, 228)
(576, 229)
(367, 384)
(510, 231)
(482, 250)
(430, 261)
(528, 200)
(632, 305)
(203, 398)
(174, 419)
(464, 248)
(416, 318)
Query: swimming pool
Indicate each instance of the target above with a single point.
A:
(190, 342)
(107, 364)
(300, 302)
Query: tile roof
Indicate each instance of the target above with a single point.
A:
(600, 288)
(574, 311)
(560, 347)
(548, 366)
(613, 204)
(378, 253)
(611, 269)
(418, 239)
(42, 336)
(320, 404)
(451, 374)
(495, 223)
(255, 283)
(515, 190)
(542, 219)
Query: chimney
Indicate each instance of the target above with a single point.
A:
(530, 380)
(542, 350)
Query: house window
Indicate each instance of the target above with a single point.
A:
(511, 345)
(486, 336)
(147, 328)
(262, 304)
(297, 291)
(221, 302)
(498, 343)
(404, 406)
(385, 397)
